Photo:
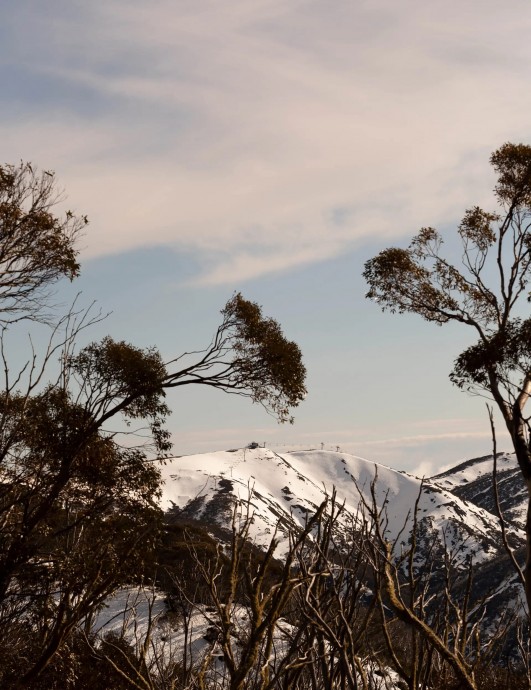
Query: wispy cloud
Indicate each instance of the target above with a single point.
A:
(421, 439)
(242, 130)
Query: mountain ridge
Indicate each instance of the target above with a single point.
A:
(280, 490)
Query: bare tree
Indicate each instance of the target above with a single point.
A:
(432, 621)
(345, 610)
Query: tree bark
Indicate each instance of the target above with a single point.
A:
(516, 428)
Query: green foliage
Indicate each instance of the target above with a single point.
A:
(506, 355)
(79, 519)
(76, 507)
(118, 376)
(476, 229)
(36, 246)
(421, 280)
(512, 162)
(484, 291)
(401, 284)
(264, 361)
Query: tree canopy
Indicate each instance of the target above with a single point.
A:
(37, 247)
(249, 355)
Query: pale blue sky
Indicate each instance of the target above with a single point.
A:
(272, 147)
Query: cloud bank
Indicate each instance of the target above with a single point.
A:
(263, 135)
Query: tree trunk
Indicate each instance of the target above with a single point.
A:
(527, 567)
(516, 427)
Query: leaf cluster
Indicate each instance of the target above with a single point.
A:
(119, 377)
(264, 361)
(484, 290)
(506, 353)
(512, 164)
(37, 247)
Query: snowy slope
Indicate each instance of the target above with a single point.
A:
(472, 481)
(285, 488)
(136, 613)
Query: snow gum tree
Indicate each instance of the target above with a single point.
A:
(37, 247)
(487, 291)
(78, 500)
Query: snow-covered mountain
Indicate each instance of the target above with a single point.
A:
(284, 489)
(455, 514)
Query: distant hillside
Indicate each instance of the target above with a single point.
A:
(472, 481)
(284, 489)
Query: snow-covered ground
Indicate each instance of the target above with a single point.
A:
(137, 613)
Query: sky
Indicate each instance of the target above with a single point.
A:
(272, 148)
